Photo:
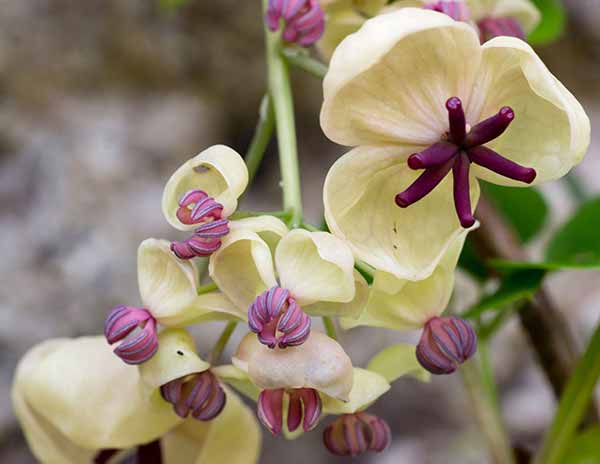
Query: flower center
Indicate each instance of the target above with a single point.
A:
(136, 329)
(304, 407)
(456, 151)
(305, 20)
(196, 207)
(355, 434)
(278, 319)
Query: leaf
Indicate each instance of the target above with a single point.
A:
(471, 263)
(514, 287)
(585, 448)
(552, 24)
(524, 208)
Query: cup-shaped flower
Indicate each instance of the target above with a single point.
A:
(76, 402)
(414, 90)
(201, 195)
(304, 20)
(169, 295)
(282, 277)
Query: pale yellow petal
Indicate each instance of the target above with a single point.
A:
(352, 309)
(388, 82)
(269, 228)
(213, 306)
(359, 203)
(396, 361)
(238, 379)
(219, 171)
(523, 11)
(340, 22)
(367, 388)
(315, 266)
(319, 363)
(242, 267)
(550, 132)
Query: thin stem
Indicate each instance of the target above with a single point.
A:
(487, 414)
(262, 137)
(577, 190)
(301, 60)
(573, 405)
(217, 351)
(487, 372)
(207, 288)
(281, 94)
(329, 327)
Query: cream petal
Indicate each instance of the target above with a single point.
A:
(523, 11)
(340, 23)
(243, 267)
(319, 363)
(92, 398)
(315, 266)
(269, 228)
(233, 437)
(359, 208)
(219, 171)
(213, 306)
(550, 132)
(238, 379)
(352, 309)
(368, 386)
(389, 82)
(396, 361)
(176, 357)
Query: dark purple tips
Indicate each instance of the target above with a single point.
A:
(304, 407)
(424, 184)
(457, 120)
(135, 328)
(462, 191)
(446, 343)
(200, 395)
(433, 156)
(355, 434)
(490, 128)
(275, 312)
(491, 160)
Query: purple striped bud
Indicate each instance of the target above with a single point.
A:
(304, 407)
(278, 319)
(494, 27)
(200, 395)
(135, 328)
(456, 9)
(446, 343)
(304, 20)
(355, 434)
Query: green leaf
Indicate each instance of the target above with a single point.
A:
(552, 24)
(585, 448)
(471, 263)
(524, 208)
(514, 287)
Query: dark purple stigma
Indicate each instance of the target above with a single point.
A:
(355, 434)
(455, 152)
(304, 407)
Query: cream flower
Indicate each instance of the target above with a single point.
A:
(71, 413)
(281, 277)
(414, 89)
(169, 295)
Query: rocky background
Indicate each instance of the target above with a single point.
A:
(101, 100)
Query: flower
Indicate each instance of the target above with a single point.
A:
(315, 276)
(169, 295)
(304, 20)
(201, 195)
(76, 402)
(389, 92)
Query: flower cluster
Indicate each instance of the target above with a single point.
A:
(417, 95)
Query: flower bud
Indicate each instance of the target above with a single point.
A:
(304, 20)
(304, 407)
(136, 347)
(446, 343)
(355, 434)
(456, 9)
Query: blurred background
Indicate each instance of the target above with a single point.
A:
(102, 99)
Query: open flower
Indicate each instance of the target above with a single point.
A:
(201, 195)
(414, 91)
(77, 403)
(281, 277)
(169, 295)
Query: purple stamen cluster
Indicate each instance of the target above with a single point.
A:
(446, 343)
(278, 319)
(304, 407)
(456, 152)
(196, 207)
(304, 20)
(457, 10)
(355, 434)
(200, 395)
(491, 27)
(136, 346)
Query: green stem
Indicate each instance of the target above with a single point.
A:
(281, 94)
(207, 288)
(329, 327)
(301, 60)
(217, 351)
(487, 372)
(262, 136)
(573, 405)
(576, 188)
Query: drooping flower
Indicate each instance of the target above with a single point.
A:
(77, 403)
(315, 276)
(414, 90)
(169, 295)
(304, 20)
(201, 195)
